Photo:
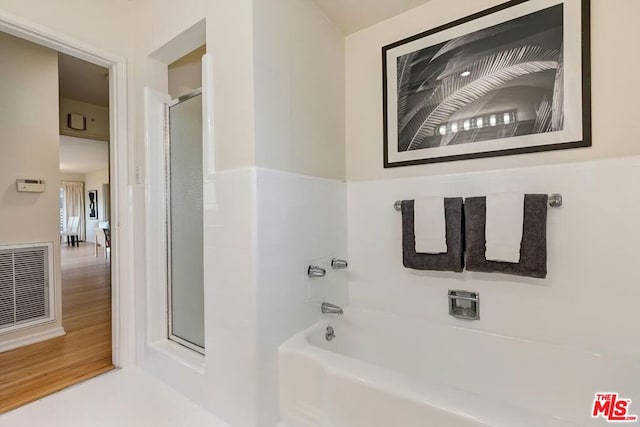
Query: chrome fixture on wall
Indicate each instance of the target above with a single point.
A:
(339, 264)
(315, 271)
(555, 201)
(330, 334)
(464, 305)
(328, 308)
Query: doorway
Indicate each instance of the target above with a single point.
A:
(90, 286)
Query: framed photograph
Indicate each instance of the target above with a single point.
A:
(93, 204)
(508, 80)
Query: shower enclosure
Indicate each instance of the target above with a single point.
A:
(185, 221)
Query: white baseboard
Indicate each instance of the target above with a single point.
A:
(32, 339)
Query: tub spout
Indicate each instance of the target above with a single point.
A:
(328, 308)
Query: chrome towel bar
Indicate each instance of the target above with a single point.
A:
(555, 201)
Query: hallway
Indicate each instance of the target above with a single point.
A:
(32, 372)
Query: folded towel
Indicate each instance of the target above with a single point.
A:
(429, 225)
(453, 259)
(503, 232)
(533, 250)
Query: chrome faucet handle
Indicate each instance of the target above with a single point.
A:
(339, 264)
(315, 271)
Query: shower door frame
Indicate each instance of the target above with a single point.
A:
(167, 155)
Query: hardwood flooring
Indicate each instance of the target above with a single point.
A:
(32, 372)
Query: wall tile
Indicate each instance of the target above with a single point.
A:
(591, 256)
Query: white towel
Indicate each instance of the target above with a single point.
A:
(430, 226)
(503, 230)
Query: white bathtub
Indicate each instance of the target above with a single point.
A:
(388, 371)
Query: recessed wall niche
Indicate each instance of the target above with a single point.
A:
(177, 65)
(185, 74)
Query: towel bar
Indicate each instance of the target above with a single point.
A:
(555, 201)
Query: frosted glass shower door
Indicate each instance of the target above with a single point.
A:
(185, 222)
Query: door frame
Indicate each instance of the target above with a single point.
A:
(122, 291)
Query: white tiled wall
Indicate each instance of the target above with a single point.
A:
(262, 228)
(225, 381)
(230, 298)
(301, 220)
(590, 295)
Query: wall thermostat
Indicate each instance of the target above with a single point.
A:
(30, 185)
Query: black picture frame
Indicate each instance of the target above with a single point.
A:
(392, 145)
(93, 204)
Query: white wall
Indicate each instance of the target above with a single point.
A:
(229, 37)
(104, 24)
(134, 30)
(66, 176)
(185, 75)
(613, 105)
(80, 155)
(591, 256)
(231, 330)
(299, 89)
(29, 149)
(95, 181)
(590, 239)
(225, 381)
(301, 221)
(301, 196)
(254, 298)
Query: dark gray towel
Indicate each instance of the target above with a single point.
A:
(533, 251)
(453, 260)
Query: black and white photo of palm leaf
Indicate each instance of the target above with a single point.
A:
(544, 113)
(503, 81)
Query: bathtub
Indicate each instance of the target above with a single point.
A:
(383, 370)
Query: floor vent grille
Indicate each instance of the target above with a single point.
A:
(26, 285)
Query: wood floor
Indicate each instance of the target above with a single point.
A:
(32, 372)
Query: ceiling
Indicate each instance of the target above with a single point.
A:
(354, 15)
(83, 81)
(79, 155)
